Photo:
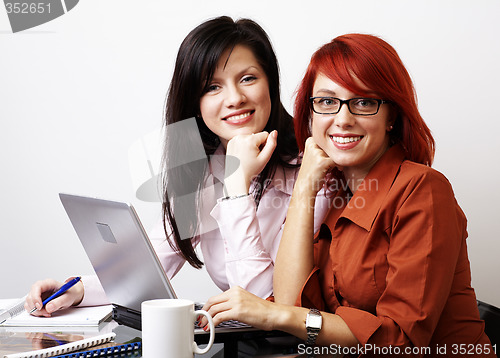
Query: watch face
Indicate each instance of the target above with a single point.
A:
(313, 321)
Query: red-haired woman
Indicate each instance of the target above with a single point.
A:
(388, 271)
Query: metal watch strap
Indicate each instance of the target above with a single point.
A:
(234, 197)
(312, 332)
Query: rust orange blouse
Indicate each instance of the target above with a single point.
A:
(392, 262)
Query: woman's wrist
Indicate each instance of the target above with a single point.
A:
(307, 186)
(236, 184)
(289, 319)
(304, 196)
(79, 293)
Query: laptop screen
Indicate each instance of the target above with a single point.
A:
(119, 250)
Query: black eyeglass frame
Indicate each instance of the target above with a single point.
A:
(347, 101)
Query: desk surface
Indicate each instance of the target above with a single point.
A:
(275, 347)
(261, 347)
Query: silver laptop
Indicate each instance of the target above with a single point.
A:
(123, 257)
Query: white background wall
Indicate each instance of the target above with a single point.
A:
(77, 91)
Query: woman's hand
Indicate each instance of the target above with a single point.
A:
(315, 165)
(44, 288)
(246, 156)
(296, 245)
(238, 304)
(40, 340)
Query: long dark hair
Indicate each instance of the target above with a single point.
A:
(195, 65)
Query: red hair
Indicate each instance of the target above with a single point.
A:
(351, 58)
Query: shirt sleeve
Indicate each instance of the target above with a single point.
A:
(94, 294)
(311, 295)
(248, 264)
(169, 259)
(426, 236)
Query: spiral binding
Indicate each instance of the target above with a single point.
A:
(123, 350)
(17, 309)
(12, 311)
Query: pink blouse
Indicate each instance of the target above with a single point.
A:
(239, 240)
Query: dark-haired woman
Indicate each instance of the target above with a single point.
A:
(232, 201)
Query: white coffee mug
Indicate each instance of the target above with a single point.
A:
(168, 329)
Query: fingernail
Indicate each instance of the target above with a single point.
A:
(38, 306)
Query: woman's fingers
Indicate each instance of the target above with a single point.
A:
(259, 138)
(314, 167)
(35, 296)
(43, 289)
(269, 147)
(213, 306)
(238, 304)
(246, 156)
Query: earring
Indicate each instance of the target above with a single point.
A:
(390, 128)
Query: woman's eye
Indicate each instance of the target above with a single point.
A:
(212, 88)
(364, 102)
(248, 78)
(327, 101)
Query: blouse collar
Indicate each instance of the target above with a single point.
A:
(365, 204)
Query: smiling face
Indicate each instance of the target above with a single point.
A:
(237, 100)
(355, 143)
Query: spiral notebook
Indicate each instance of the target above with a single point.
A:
(128, 350)
(41, 345)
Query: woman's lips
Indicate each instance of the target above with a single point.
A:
(345, 142)
(239, 118)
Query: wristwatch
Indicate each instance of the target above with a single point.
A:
(313, 326)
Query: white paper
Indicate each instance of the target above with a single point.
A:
(73, 316)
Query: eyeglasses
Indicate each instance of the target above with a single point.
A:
(357, 106)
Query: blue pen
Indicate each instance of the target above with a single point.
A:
(59, 292)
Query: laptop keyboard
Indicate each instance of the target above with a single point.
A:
(232, 324)
(229, 324)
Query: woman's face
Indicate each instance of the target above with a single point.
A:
(354, 142)
(237, 100)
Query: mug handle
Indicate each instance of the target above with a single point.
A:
(197, 349)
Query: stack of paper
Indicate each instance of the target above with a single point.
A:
(73, 316)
